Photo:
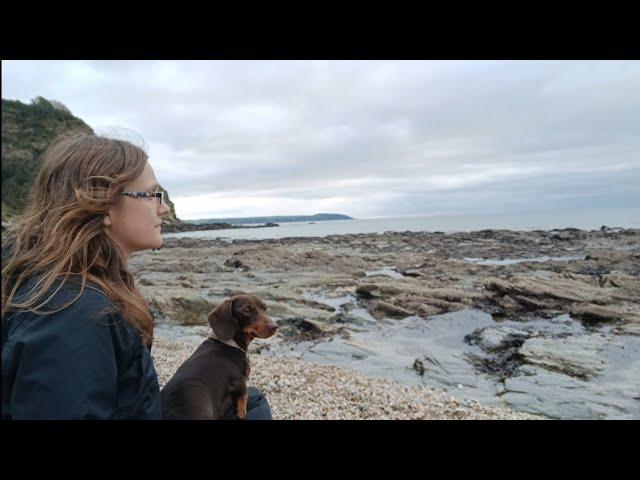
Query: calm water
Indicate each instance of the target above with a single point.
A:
(588, 219)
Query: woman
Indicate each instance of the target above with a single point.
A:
(76, 332)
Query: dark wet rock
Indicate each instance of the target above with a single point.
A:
(488, 233)
(180, 226)
(596, 314)
(567, 234)
(496, 338)
(527, 303)
(301, 329)
(235, 263)
(507, 304)
(412, 273)
(501, 345)
(311, 303)
(502, 364)
(429, 364)
(341, 317)
(188, 242)
(593, 270)
(381, 309)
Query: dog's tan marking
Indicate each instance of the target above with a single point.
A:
(242, 406)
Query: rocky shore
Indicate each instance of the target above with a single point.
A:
(174, 225)
(544, 322)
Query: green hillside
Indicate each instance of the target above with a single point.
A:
(27, 130)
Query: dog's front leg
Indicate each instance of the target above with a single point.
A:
(241, 405)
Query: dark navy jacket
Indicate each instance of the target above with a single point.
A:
(84, 362)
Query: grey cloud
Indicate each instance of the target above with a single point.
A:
(393, 137)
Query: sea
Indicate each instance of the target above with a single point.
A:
(584, 219)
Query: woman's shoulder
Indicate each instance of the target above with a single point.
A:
(63, 291)
(93, 296)
(79, 308)
(73, 318)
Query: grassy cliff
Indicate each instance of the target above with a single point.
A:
(27, 130)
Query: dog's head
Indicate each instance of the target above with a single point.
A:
(242, 314)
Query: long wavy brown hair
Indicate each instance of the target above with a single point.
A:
(60, 236)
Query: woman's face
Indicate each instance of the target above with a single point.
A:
(135, 223)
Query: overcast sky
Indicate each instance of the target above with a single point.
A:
(364, 138)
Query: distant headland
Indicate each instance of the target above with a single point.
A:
(318, 217)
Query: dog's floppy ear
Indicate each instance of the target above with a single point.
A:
(222, 321)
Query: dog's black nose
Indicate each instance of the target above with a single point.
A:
(273, 329)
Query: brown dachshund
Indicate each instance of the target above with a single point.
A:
(211, 383)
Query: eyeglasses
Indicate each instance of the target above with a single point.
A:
(158, 195)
